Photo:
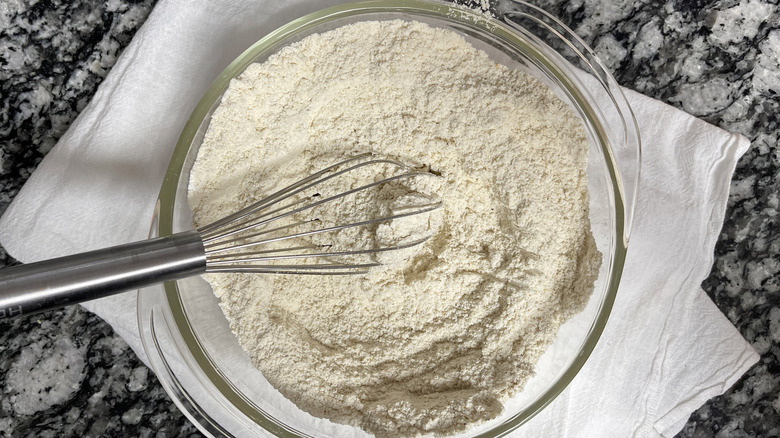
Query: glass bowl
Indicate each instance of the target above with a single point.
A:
(187, 338)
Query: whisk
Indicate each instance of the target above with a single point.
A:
(268, 236)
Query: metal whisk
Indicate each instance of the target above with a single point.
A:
(277, 235)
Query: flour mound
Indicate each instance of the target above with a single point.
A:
(434, 341)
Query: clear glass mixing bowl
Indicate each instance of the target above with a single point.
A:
(186, 336)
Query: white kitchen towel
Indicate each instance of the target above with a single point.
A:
(666, 348)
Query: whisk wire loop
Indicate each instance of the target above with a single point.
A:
(296, 188)
(250, 224)
(244, 241)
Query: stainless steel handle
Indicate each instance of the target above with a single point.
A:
(50, 284)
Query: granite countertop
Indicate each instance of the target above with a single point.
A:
(66, 373)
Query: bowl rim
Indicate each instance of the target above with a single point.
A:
(166, 199)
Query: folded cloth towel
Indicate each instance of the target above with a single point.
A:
(666, 348)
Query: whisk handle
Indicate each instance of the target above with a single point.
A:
(51, 284)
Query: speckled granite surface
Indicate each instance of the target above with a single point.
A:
(65, 373)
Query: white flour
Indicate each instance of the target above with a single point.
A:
(435, 343)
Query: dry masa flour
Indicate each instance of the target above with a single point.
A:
(435, 342)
